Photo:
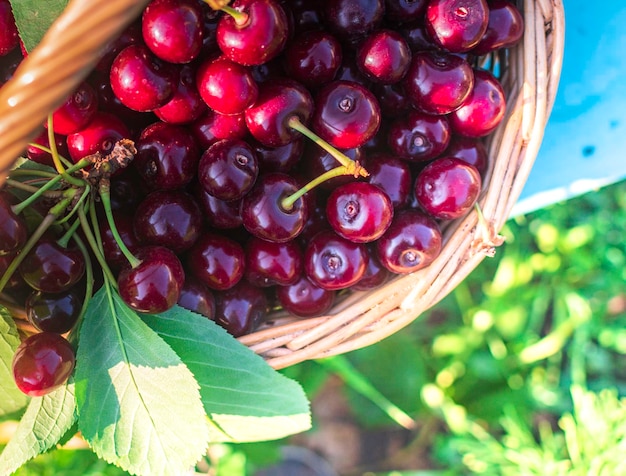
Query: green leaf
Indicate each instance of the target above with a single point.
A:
(139, 406)
(46, 420)
(34, 17)
(11, 399)
(246, 399)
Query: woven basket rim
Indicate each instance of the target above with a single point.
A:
(70, 50)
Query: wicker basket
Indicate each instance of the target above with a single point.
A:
(529, 75)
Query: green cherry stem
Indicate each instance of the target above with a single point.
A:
(353, 168)
(105, 195)
(63, 160)
(288, 202)
(95, 243)
(48, 220)
(241, 18)
(31, 188)
(89, 282)
(20, 207)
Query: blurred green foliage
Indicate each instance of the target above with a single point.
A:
(520, 370)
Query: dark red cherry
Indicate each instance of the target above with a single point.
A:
(333, 262)
(240, 309)
(306, 14)
(412, 242)
(483, 110)
(77, 110)
(457, 25)
(225, 86)
(218, 213)
(353, 19)
(212, 126)
(42, 363)
(278, 101)
(418, 38)
(263, 213)
(419, 136)
(375, 274)
(504, 29)
(392, 99)
(228, 169)
(40, 156)
(259, 35)
(269, 264)
(51, 268)
(155, 284)
(447, 188)
(359, 211)
(405, 11)
(470, 150)
(140, 80)
(167, 156)
(438, 82)
(53, 312)
(173, 29)
(346, 115)
(279, 159)
(100, 135)
(216, 260)
(305, 299)
(112, 252)
(169, 218)
(9, 37)
(393, 176)
(186, 104)
(313, 58)
(384, 56)
(13, 229)
(316, 161)
(197, 297)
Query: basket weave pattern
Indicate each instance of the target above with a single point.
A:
(530, 75)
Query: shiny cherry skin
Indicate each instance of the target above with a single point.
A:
(313, 58)
(186, 105)
(9, 37)
(505, 27)
(77, 110)
(304, 298)
(392, 99)
(316, 161)
(447, 188)
(99, 136)
(359, 211)
(212, 127)
(155, 284)
(173, 29)
(13, 229)
(269, 264)
(263, 214)
(260, 38)
(404, 11)
(346, 115)
(483, 110)
(197, 297)
(353, 19)
(470, 150)
(228, 169)
(225, 86)
(216, 260)
(417, 37)
(457, 25)
(419, 137)
(438, 82)
(279, 159)
(53, 312)
(170, 218)
(51, 268)
(219, 214)
(167, 156)
(392, 175)
(384, 56)
(333, 262)
(375, 274)
(112, 252)
(42, 363)
(411, 243)
(140, 80)
(240, 309)
(277, 102)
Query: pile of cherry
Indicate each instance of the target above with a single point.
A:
(285, 150)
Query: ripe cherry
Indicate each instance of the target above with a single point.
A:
(384, 56)
(457, 25)
(42, 363)
(212, 126)
(77, 110)
(240, 309)
(154, 285)
(393, 176)
(216, 260)
(353, 19)
(504, 29)
(53, 312)
(304, 298)
(100, 135)
(419, 137)
(186, 105)
(197, 297)
(13, 229)
(9, 37)
(269, 264)
(218, 213)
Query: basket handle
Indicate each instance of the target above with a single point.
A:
(66, 55)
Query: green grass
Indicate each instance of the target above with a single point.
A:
(518, 369)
